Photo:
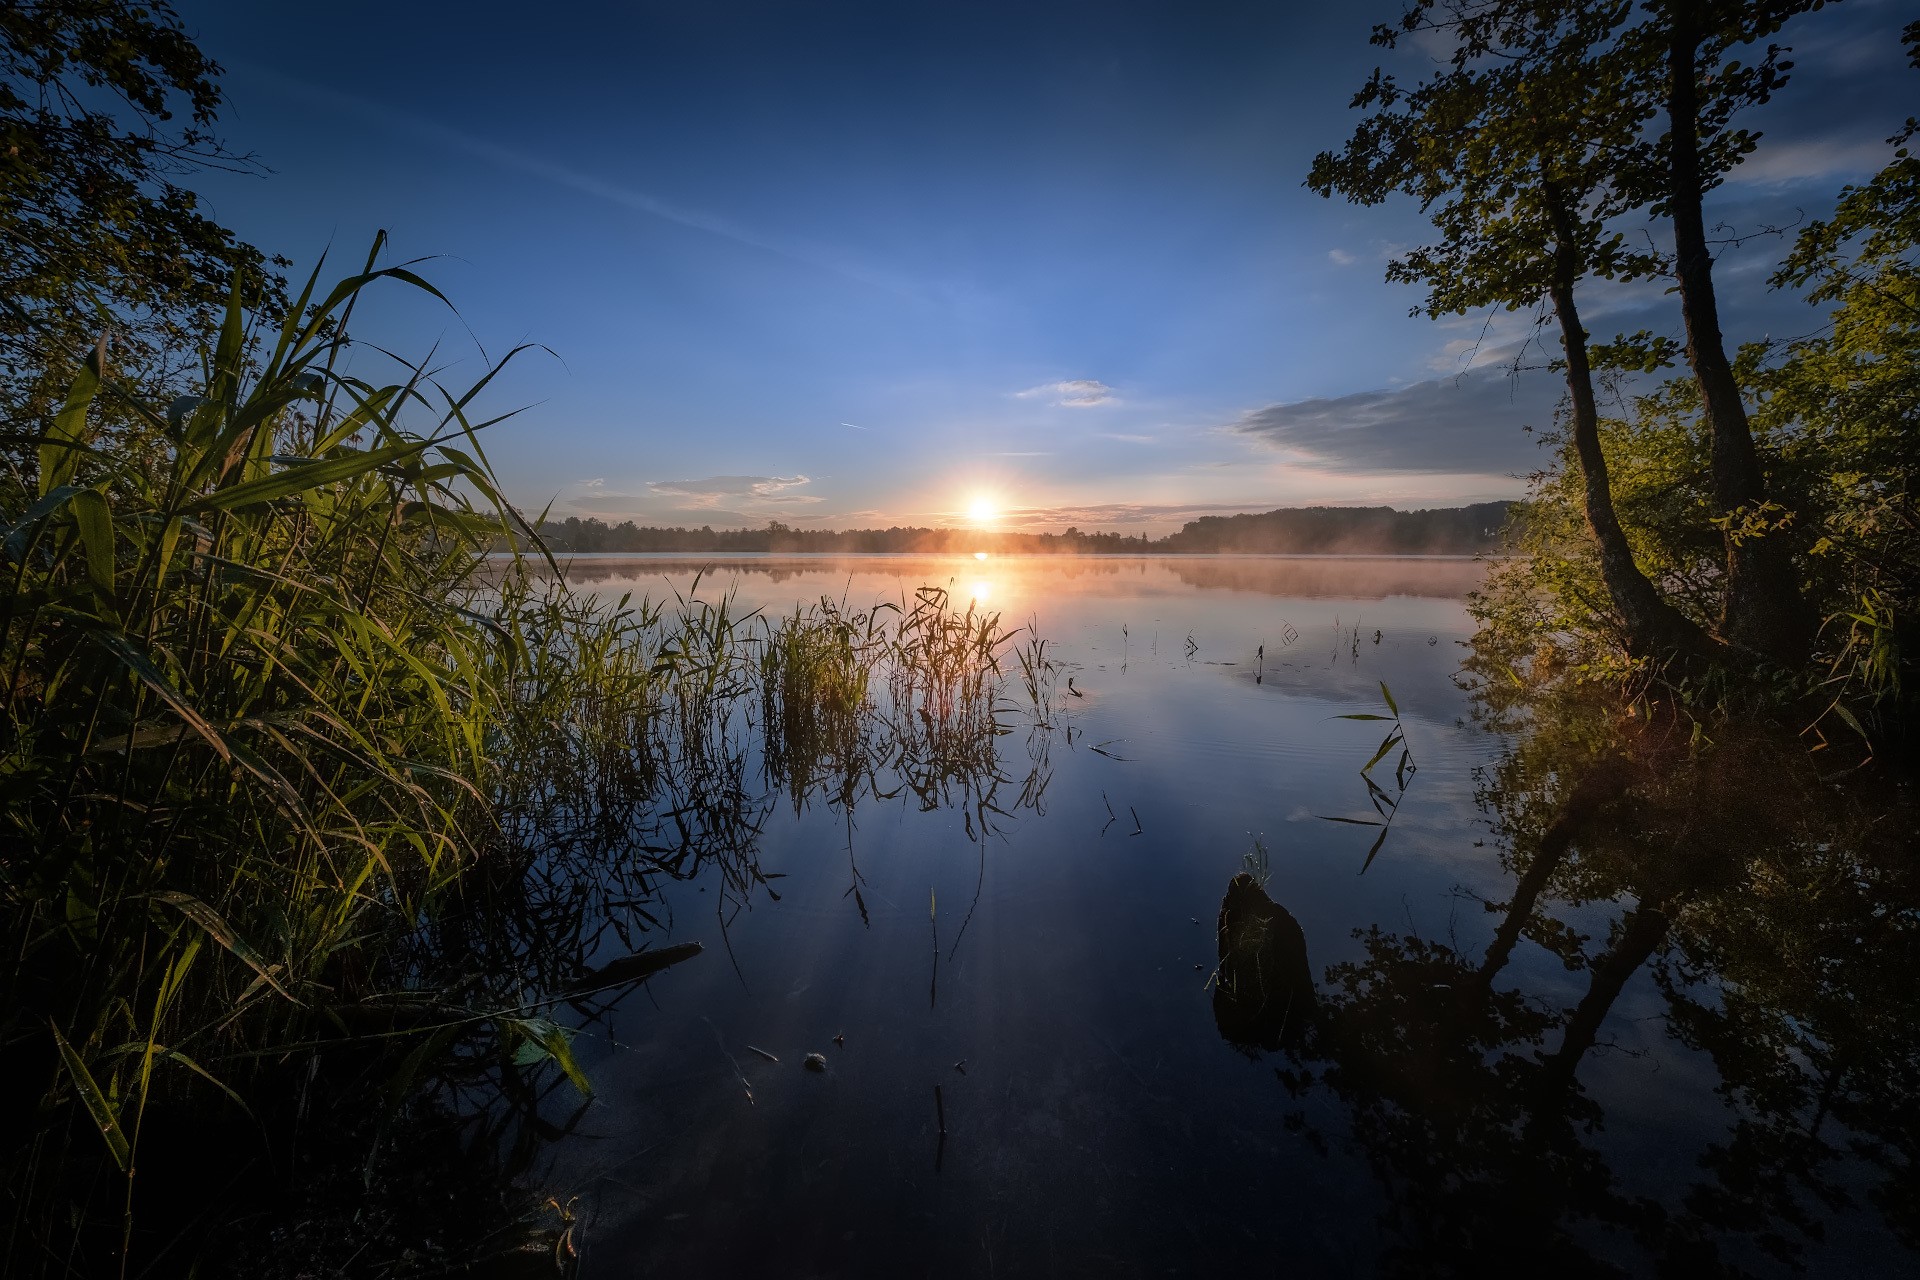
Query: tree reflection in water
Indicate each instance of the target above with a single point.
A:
(1777, 916)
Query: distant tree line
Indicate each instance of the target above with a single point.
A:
(1296, 530)
(1348, 530)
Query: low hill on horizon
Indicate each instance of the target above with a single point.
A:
(1282, 531)
(1348, 530)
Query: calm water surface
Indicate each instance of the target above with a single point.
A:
(1466, 1065)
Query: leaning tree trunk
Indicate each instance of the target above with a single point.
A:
(1765, 609)
(1654, 628)
(1641, 934)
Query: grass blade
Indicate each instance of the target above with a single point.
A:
(218, 929)
(104, 1116)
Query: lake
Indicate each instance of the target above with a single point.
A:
(1531, 1019)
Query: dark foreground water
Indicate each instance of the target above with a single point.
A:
(1664, 1027)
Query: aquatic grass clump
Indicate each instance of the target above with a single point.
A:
(945, 658)
(582, 702)
(815, 673)
(911, 690)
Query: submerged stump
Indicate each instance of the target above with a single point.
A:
(1263, 990)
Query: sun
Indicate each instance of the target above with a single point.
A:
(982, 509)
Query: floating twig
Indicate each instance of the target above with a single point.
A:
(762, 1052)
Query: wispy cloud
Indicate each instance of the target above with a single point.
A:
(1341, 258)
(378, 113)
(1118, 514)
(1076, 393)
(1824, 160)
(1470, 425)
(714, 490)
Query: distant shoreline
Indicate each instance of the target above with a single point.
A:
(717, 557)
(1288, 531)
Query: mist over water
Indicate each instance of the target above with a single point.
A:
(1033, 578)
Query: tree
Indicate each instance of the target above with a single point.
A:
(1631, 65)
(1510, 160)
(1684, 56)
(104, 106)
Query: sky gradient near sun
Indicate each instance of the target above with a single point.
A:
(846, 265)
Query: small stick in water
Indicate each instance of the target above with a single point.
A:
(940, 1110)
(762, 1052)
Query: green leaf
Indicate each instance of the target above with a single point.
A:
(20, 535)
(299, 479)
(81, 915)
(174, 1055)
(1393, 739)
(60, 449)
(226, 354)
(222, 932)
(1388, 695)
(94, 518)
(96, 1102)
(553, 1041)
(143, 669)
(1362, 715)
(141, 737)
(1853, 722)
(1373, 852)
(1383, 804)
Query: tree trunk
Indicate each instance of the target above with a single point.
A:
(1765, 609)
(1601, 783)
(1655, 629)
(1640, 935)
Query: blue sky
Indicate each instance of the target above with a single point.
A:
(858, 264)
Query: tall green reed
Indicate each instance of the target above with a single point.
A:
(246, 716)
(292, 765)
